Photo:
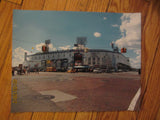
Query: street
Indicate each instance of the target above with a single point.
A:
(62, 91)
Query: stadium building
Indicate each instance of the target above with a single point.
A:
(60, 60)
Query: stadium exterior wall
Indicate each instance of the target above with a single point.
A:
(93, 57)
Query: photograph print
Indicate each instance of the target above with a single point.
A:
(75, 61)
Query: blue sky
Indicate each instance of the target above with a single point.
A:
(32, 28)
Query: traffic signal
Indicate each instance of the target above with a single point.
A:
(43, 48)
(123, 50)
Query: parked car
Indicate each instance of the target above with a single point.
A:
(97, 70)
(71, 70)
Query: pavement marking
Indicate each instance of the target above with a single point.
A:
(59, 95)
(134, 100)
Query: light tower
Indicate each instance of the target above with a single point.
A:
(47, 42)
(81, 43)
(115, 48)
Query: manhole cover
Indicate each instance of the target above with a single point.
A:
(44, 97)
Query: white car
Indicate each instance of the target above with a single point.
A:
(97, 70)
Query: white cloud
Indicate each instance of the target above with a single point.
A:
(79, 47)
(131, 35)
(136, 62)
(39, 47)
(130, 30)
(51, 47)
(18, 56)
(97, 34)
(105, 18)
(115, 25)
(65, 47)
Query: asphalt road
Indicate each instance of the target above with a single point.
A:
(58, 91)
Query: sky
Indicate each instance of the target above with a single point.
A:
(32, 28)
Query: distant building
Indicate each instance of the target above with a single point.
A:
(92, 57)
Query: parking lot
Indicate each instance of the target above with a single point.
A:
(62, 91)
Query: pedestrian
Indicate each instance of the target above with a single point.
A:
(28, 71)
(37, 71)
(24, 71)
(12, 72)
(139, 71)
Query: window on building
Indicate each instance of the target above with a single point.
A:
(94, 62)
(98, 60)
(102, 60)
(89, 60)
